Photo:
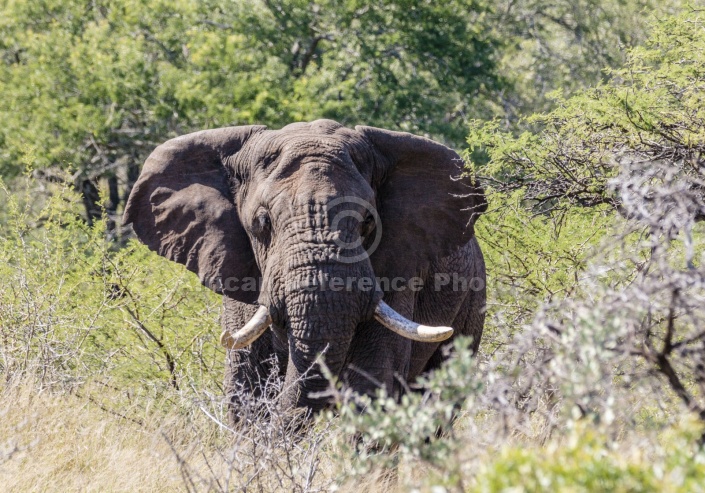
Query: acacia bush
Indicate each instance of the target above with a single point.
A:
(628, 157)
(74, 309)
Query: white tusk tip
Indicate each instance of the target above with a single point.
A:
(249, 333)
(435, 334)
(395, 322)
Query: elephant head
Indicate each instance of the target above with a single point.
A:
(297, 208)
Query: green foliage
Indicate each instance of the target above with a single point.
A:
(553, 191)
(574, 451)
(410, 427)
(96, 86)
(587, 462)
(534, 258)
(652, 108)
(608, 189)
(562, 47)
(99, 83)
(74, 311)
(398, 64)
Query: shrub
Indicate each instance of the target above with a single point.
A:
(74, 309)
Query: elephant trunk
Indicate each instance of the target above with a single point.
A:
(305, 382)
(321, 319)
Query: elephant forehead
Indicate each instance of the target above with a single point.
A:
(314, 186)
(276, 151)
(323, 136)
(322, 126)
(308, 146)
(312, 159)
(315, 183)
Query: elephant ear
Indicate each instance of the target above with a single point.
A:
(427, 208)
(182, 207)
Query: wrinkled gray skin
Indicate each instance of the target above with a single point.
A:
(245, 201)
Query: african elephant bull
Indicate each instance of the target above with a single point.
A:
(329, 237)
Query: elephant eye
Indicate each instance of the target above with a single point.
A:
(262, 226)
(368, 225)
(270, 158)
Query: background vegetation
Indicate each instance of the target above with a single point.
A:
(584, 120)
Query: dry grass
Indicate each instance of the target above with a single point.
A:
(57, 441)
(60, 442)
(63, 441)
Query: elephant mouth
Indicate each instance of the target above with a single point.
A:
(383, 313)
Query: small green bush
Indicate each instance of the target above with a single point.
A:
(585, 461)
(76, 309)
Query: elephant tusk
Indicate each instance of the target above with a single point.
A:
(392, 320)
(249, 333)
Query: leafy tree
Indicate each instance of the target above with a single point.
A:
(95, 86)
(626, 159)
(561, 47)
(651, 110)
(400, 64)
